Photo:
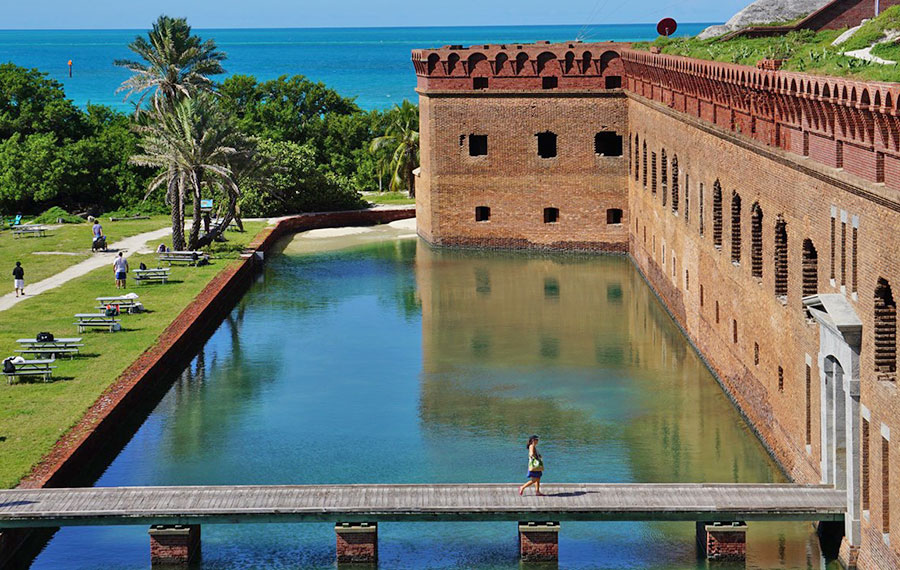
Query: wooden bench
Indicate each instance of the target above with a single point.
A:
(187, 257)
(54, 347)
(55, 343)
(125, 304)
(131, 218)
(49, 352)
(151, 275)
(96, 320)
(38, 231)
(32, 368)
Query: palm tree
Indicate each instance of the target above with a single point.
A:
(175, 64)
(402, 138)
(197, 149)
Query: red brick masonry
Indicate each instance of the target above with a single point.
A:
(722, 541)
(175, 545)
(357, 543)
(539, 542)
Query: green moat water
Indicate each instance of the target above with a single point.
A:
(388, 362)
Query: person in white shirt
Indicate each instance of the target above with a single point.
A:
(120, 267)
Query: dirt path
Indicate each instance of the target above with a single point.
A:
(133, 244)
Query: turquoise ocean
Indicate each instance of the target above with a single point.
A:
(371, 64)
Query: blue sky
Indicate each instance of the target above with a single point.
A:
(63, 14)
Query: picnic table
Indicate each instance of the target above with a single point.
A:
(159, 275)
(55, 347)
(188, 257)
(96, 320)
(34, 368)
(39, 231)
(125, 303)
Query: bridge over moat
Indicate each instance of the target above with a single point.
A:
(177, 512)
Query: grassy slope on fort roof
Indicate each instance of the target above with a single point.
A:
(804, 51)
(34, 415)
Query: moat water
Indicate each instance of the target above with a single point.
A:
(386, 361)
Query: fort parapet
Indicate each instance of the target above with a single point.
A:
(761, 205)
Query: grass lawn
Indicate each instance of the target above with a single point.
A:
(68, 238)
(395, 198)
(804, 50)
(34, 415)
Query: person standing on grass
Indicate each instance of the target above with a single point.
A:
(120, 267)
(535, 467)
(19, 278)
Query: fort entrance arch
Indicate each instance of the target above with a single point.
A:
(840, 336)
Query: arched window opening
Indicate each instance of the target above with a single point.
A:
(756, 241)
(717, 215)
(700, 212)
(644, 155)
(810, 268)
(675, 184)
(885, 331)
(687, 198)
(637, 157)
(781, 259)
(664, 173)
(735, 227)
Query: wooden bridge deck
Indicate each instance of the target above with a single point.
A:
(474, 502)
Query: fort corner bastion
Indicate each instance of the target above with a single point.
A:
(763, 207)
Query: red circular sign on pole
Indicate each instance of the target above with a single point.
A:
(666, 27)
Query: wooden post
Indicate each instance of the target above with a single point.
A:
(357, 543)
(722, 541)
(174, 545)
(539, 541)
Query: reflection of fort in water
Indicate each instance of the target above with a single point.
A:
(499, 328)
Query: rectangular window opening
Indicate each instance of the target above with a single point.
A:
(608, 143)
(613, 216)
(853, 267)
(780, 379)
(479, 83)
(865, 464)
(734, 327)
(549, 82)
(478, 145)
(546, 144)
(551, 215)
(482, 213)
(808, 405)
(613, 81)
(885, 486)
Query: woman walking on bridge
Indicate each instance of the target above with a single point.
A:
(535, 467)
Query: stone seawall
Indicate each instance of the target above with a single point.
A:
(83, 451)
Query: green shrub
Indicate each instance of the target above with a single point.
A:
(54, 214)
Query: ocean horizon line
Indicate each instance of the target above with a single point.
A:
(478, 26)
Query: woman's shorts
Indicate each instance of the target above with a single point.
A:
(120, 275)
(19, 283)
(535, 474)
